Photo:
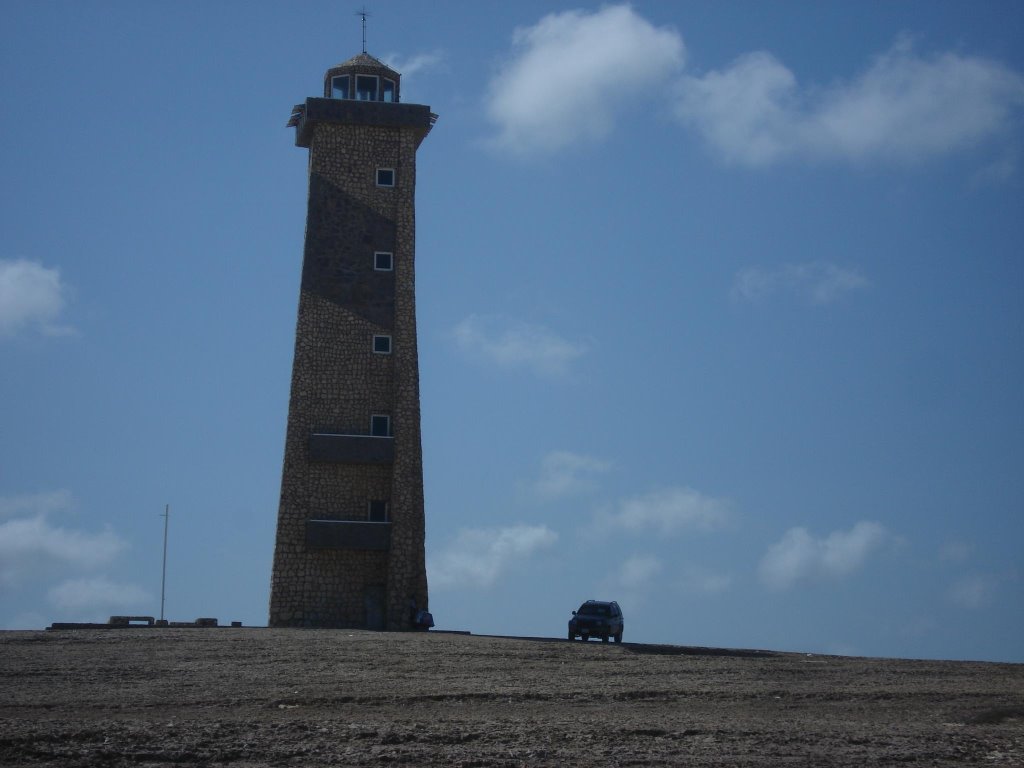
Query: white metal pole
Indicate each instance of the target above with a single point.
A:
(163, 579)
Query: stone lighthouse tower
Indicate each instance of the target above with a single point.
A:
(350, 528)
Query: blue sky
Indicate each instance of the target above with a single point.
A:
(721, 312)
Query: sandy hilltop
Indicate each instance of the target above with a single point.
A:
(252, 697)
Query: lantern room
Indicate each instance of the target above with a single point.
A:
(362, 78)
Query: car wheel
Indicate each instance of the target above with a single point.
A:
(572, 636)
(604, 638)
(584, 638)
(618, 638)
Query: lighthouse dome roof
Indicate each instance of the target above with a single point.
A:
(368, 68)
(365, 60)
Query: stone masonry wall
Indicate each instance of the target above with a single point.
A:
(338, 382)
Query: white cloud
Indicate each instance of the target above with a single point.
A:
(976, 590)
(421, 62)
(31, 297)
(573, 71)
(83, 595)
(745, 112)
(972, 591)
(908, 106)
(667, 511)
(512, 344)
(799, 556)
(638, 571)
(567, 474)
(30, 543)
(904, 107)
(36, 503)
(704, 582)
(817, 282)
(477, 557)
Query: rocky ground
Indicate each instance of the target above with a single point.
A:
(269, 697)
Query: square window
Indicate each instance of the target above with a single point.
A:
(366, 88)
(383, 261)
(380, 425)
(378, 512)
(385, 177)
(382, 345)
(339, 87)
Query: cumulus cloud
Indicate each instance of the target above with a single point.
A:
(478, 557)
(565, 474)
(903, 107)
(746, 111)
(668, 511)
(95, 594)
(31, 297)
(513, 344)
(819, 283)
(30, 542)
(572, 72)
(799, 556)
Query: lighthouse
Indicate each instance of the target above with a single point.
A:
(349, 548)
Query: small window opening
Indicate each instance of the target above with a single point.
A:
(383, 261)
(385, 177)
(382, 345)
(378, 512)
(339, 87)
(366, 88)
(388, 89)
(380, 425)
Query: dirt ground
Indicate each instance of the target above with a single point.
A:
(270, 697)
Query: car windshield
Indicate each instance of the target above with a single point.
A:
(595, 610)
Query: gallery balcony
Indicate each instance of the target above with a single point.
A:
(348, 534)
(351, 449)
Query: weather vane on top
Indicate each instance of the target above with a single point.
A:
(363, 13)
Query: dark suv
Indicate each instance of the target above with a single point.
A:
(597, 619)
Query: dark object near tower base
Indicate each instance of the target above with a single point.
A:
(597, 619)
